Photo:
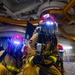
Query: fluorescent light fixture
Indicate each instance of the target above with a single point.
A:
(67, 47)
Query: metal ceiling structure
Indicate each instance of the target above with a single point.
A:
(24, 10)
(63, 11)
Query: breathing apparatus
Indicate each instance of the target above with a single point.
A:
(48, 23)
(47, 32)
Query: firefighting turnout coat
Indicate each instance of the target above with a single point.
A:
(8, 65)
(32, 51)
(3, 70)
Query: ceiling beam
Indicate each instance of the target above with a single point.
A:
(65, 9)
(24, 22)
(17, 22)
(68, 6)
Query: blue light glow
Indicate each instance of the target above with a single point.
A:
(49, 23)
(16, 42)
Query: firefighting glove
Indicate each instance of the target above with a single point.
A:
(49, 61)
(37, 59)
(53, 59)
(50, 58)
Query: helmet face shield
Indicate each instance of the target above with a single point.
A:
(15, 44)
(48, 23)
(49, 28)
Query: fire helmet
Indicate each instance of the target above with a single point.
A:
(48, 22)
(60, 48)
(15, 45)
(17, 37)
(47, 18)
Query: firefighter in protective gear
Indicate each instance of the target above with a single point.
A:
(3, 70)
(59, 63)
(42, 49)
(12, 56)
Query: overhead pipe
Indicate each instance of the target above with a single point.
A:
(66, 34)
(24, 23)
(65, 9)
(12, 28)
(17, 22)
(68, 6)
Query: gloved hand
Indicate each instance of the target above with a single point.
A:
(50, 58)
(49, 61)
(53, 59)
(37, 59)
